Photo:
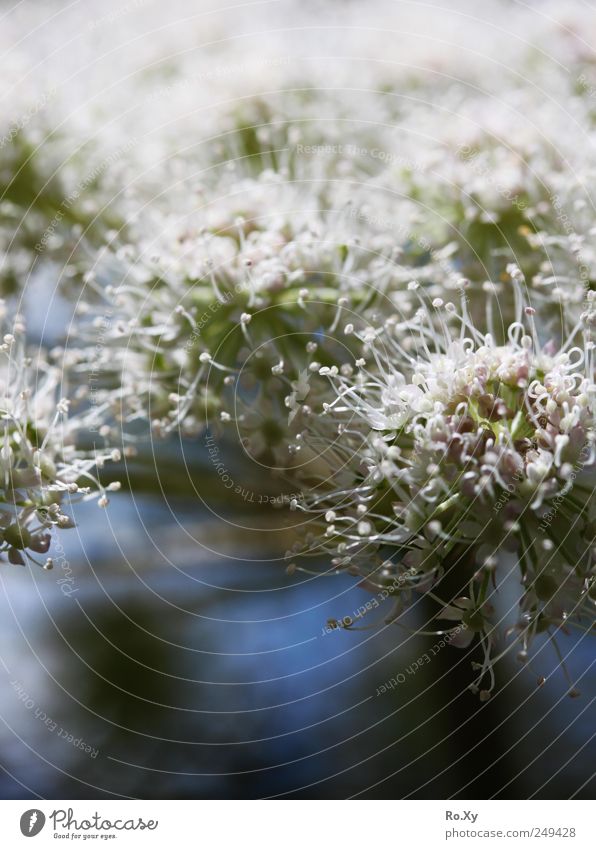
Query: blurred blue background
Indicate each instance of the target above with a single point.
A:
(169, 655)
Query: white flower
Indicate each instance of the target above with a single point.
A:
(41, 466)
(470, 448)
(219, 294)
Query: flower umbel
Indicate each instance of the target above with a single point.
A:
(460, 449)
(41, 466)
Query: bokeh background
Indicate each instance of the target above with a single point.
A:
(213, 676)
(169, 654)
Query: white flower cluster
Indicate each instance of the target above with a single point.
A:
(461, 448)
(42, 466)
(242, 290)
(126, 107)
